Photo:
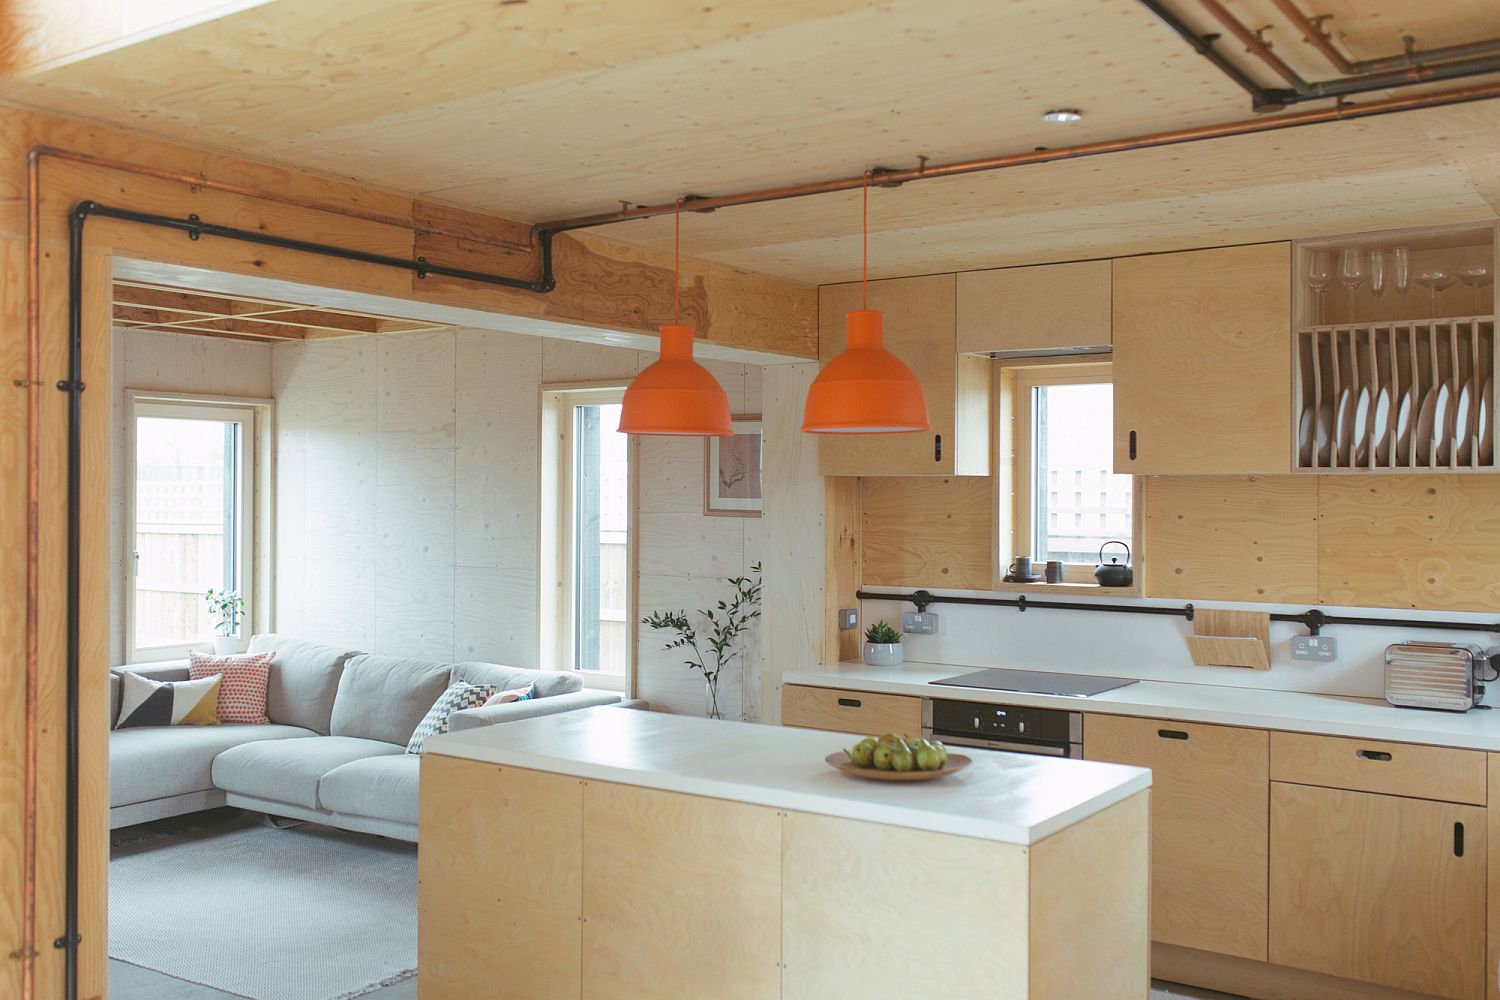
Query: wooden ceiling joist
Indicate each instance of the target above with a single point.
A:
(161, 309)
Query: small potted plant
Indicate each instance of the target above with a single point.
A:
(882, 645)
(226, 606)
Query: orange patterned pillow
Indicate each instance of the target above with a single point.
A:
(242, 689)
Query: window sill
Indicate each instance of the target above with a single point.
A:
(601, 681)
(1076, 589)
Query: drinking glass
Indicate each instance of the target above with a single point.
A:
(1476, 276)
(1319, 277)
(1352, 273)
(1377, 277)
(1435, 280)
(1401, 269)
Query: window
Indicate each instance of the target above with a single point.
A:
(589, 600)
(191, 521)
(1065, 433)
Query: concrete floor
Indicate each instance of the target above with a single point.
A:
(131, 982)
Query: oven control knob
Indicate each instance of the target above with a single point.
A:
(976, 722)
(1020, 727)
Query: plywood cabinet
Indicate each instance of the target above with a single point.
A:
(920, 329)
(1202, 361)
(1379, 888)
(843, 711)
(1046, 309)
(1209, 819)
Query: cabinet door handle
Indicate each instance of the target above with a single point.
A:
(1172, 734)
(1372, 754)
(850, 702)
(1458, 840)
(937, 447)
(1132, 446)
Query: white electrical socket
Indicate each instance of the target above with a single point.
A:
(919, 622)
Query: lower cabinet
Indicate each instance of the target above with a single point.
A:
(1379, 888)
(843, 711)
(1208, 827)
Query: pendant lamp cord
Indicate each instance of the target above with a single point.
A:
(864, 262)
(676, 261)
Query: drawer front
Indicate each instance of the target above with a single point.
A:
(843, 711)
(1419, 772)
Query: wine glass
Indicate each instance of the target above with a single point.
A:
(1377, 277)
(1435, 280)
(1401, 269)
(1476, 276)
(1319, 277)
(1352, 273)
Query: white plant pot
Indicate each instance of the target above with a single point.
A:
(226, 645)
(883, 654)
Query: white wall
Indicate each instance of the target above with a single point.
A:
(407, 501)
(1153, 648)
(167, 362)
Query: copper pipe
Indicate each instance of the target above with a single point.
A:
(1315, 36)
(891, 178)
(207, 184)
(33, 568)
(1254, 43)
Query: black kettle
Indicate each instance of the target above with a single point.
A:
(1112, 573)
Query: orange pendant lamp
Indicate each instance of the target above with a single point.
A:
(865, 389)
(675, 396)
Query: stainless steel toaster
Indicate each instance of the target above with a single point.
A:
(1441, 675)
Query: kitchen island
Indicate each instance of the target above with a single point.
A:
(612, 853)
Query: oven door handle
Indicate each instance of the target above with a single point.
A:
(1041, 749)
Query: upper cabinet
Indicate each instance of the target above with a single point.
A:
(1203, 362)
(920, 329)
(1047, 309)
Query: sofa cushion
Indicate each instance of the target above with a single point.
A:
(165, 672)
(382, 787)
(384, 697)
(548, 682)
(242, 687)
(160, 762)
(289, 770)
(303, 681)
(145, 703)
(458, 696)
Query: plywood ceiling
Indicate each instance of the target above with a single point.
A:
(543, 110)
(165, 309)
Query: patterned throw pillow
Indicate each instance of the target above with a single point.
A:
(460, 695)
(144, 702)
(514, 694)
(242, 694)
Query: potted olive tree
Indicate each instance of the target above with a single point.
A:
(882, 645)
(226, 606)
(726, 624)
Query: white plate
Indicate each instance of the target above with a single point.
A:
(1486, 431)
(1463, 424)
(1382, 429)
(1305, 439)
(1422, 445)
(1323, 435)
(1360, 448)
(1442, 423)
(1344, 429)
(1405, 418)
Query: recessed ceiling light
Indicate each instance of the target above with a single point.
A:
(1063, 115)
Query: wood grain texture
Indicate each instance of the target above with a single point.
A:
(928, 531)
(1231, 639)
(717, 933)
(1243, 977)
(852, 889)
(13, 634)
(843, 565)
(1368, 887)
(1047, 307)
(850, 711)
(1409, 541)
(919, 329)
(1092, 882)
(1492, 875)
(1209, 820)
(1206, 333)
(1250, 538)
(1419, 772)
(491, 888)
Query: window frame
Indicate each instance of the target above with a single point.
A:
(556, 607)
(253, 539)
(1017, 380)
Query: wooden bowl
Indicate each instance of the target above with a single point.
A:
(840, 760)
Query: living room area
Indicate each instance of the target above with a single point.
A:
(334, 534)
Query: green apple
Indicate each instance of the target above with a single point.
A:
(902, 760)
(863, 752)
(881, 757)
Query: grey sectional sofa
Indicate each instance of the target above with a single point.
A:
(334, 752)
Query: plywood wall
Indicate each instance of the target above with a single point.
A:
(939, 530)
(408, 501)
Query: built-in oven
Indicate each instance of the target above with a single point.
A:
(1048, 731)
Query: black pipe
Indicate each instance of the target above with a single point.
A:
(1313, 619)
(195, 227)
(1261, 98)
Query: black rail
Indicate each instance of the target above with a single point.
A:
(1312, 619)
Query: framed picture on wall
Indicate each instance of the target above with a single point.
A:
(731, 471)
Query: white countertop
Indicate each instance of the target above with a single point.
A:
(1332, 715)
(1012, 798)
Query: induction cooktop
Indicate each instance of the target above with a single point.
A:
(1037, 682)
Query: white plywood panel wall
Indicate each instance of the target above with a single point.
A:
(167, 362)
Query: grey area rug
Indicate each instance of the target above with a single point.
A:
(306, 913)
